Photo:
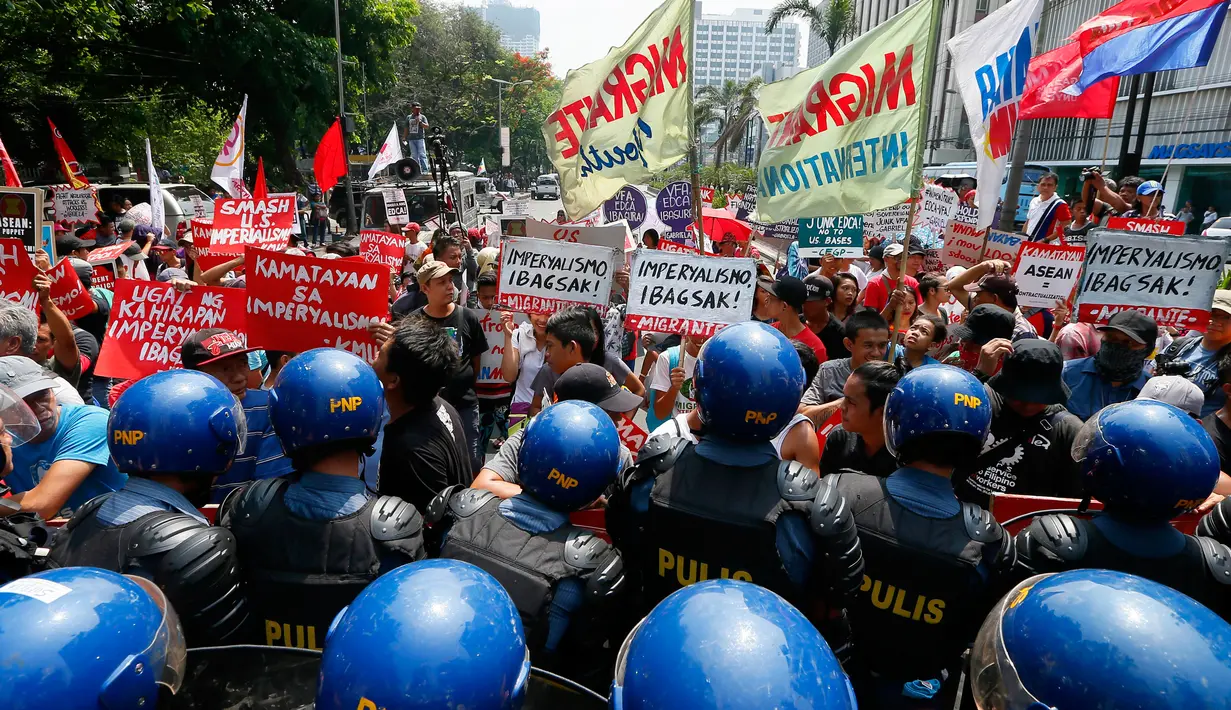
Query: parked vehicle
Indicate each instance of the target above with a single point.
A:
(545, 187)
(176, 201)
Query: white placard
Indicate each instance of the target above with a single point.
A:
(1046, 273)
(938, 207)
(612, 236)
(517, 208)
(544, 275)
(963, 239)
(396, 209)
(75, 206)
(492, 360)
(670, 292)
(198, 208)
(886, 223)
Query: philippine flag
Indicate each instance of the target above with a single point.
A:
(482, 167)
(1139, 36)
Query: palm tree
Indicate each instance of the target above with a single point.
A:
(834, 22)
(731, 106)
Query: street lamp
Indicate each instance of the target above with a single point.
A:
(500, 84)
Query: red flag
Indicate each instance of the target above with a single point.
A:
(11, 178)
(68, 163)
(330, 161)
(259, 190)
(1126, 15)
(1050, 74)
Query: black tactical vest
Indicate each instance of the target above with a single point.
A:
(1201, 569)
(300, 573)
(708, 520)
(194, 564)
(922, 597)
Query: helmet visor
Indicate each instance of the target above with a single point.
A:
(241, 426)
(166, 652)
(1091, 433)
(18, 420)
(993, 677)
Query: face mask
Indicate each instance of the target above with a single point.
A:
(1118, 363)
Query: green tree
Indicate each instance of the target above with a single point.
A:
(834, 22)
(731, 106)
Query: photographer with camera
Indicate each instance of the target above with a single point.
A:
(416, 129)
(1093, 186)
(1195, 357)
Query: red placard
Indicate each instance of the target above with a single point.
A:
(17, 274)
(668, 245)
(150, 320)
(1006, 506)
(103, 255)
(1148, 226)
(264, 223)
(298, 303)
(632, 436)
(103, 276)
(68, 293)
(385, 248)
(707, 196)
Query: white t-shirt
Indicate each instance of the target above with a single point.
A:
(139, 271)
(778, 440)
(660, 380)
(530, 361)
(415, 250)
(678, 426)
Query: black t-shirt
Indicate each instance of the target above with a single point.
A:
(424, 452)
(844, 449)
(833, 335)
(1023, 456)
(466, 330)
(1221, 434)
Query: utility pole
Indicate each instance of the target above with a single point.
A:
(350, 196)
(500, 84)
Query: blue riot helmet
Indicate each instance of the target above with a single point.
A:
(325, 396)
(939, 413)
(431, 634)
(748, 382)
(727, 644)
(1096, 639)
(1145, 460)
(570, 455)
(177, 421)
(80, 638)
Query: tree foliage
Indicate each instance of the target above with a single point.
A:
(834, 22)
(731, 106)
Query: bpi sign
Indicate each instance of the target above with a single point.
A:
(1001, 84)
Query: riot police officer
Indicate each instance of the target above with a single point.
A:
(1147, 462)
(1097, 638)
(566, 581)
(87, 638)
(173, 433)
(728, 644)
(933, 565)
(727, 507)
(310, 542)
(433, 634)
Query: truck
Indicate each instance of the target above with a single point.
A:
(422, 202)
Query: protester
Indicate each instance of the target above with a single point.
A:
(1116, 373)
(992, 282)
(319, 224)
(1196, 356)
(877, 295)
(1048, 213)
(797, 441)
(133, 259)
(70, 246)
(788, 295)
(105, 232)
(846, 295)
(915, 259)
(222, 354)
(876, 260)
(1176, 391)
(68, 462)
(494, 397)
(649, 239)
(572, 338)
(816, 308)
(22, 334)
(522, 359)
(1076, 233)
(867, 337)
(983, 339)
(1150, 202)
(924, 332)
(670, 384)
(858, 443)
(932, 290)
(68, 351)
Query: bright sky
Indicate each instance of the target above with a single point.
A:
(580, 31)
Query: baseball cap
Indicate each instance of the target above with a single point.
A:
(69, 243)
(819, 287)
(1136, 325)
(984, 323)
(185, 238)
(416, 104)
(792, 291)
(592, 383)
(134, 252)
(168, 275)
(24, 376)
(1176, 391)
(164, 244)
(1003, 287)
(210, 345)
(1032, 373)
(893, 250)
(1149, 187)
(85, 271)
(1222, 301)
(954, 272)
(19, 421)
(916, 248)
(877, 251)
(433, 270)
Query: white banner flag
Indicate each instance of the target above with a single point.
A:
(158, 212)
(626, 116)
(990, 61)
(228, 170)
(390, 152)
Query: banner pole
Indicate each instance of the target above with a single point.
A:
(695, 169)
(1106, 144)
(1183, 127)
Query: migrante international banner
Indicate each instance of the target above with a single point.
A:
(846, 137)
(626, 116)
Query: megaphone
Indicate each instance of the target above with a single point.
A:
(408, 169)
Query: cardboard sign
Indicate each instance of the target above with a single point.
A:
(1003, 246)
(150, 320)
(78, 206)
(298, 303)
(542, 276)
(671, 293)
(1171, 279)
(491, 361)
(628, 205)
(103, 276)
(21, 216)
(939, 205)
(198, 207)
(384, 248)
(632, 436)
(102, 255)
(396, 209)
(1046, 273)
(665, 245)
(513, 227)
(614, 235)
(264, 223)
(963, 239)
(1145, 225)
(68, 293)
(17, 272)
(517, 208)
(707, 196)
(887, 223)
(840, 236)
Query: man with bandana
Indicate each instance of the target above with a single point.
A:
(1116, 373)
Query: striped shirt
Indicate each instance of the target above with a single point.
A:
(322, 496)
(262, 456)
(140, 497)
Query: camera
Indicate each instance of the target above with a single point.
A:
(1089, 173)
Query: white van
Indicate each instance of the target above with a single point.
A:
(545, 187)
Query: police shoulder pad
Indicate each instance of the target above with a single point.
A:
(829, 508)
(980, 525)
(1217, 559)
(659, 453)
(1062, 535)
(468, 501)
(584, 550)
(796, 481)
(163, 532)
(86, 510)
(251, 501)
(394, 519)
(439, 505)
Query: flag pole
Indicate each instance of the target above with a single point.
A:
(916, 180)
(695, 169)
(1183, 127)
(1106, 144)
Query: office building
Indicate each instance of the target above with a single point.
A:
(518, 26)
(735, 47)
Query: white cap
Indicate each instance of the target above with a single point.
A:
(954, 272)
(1176, 391)
(893, 250)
